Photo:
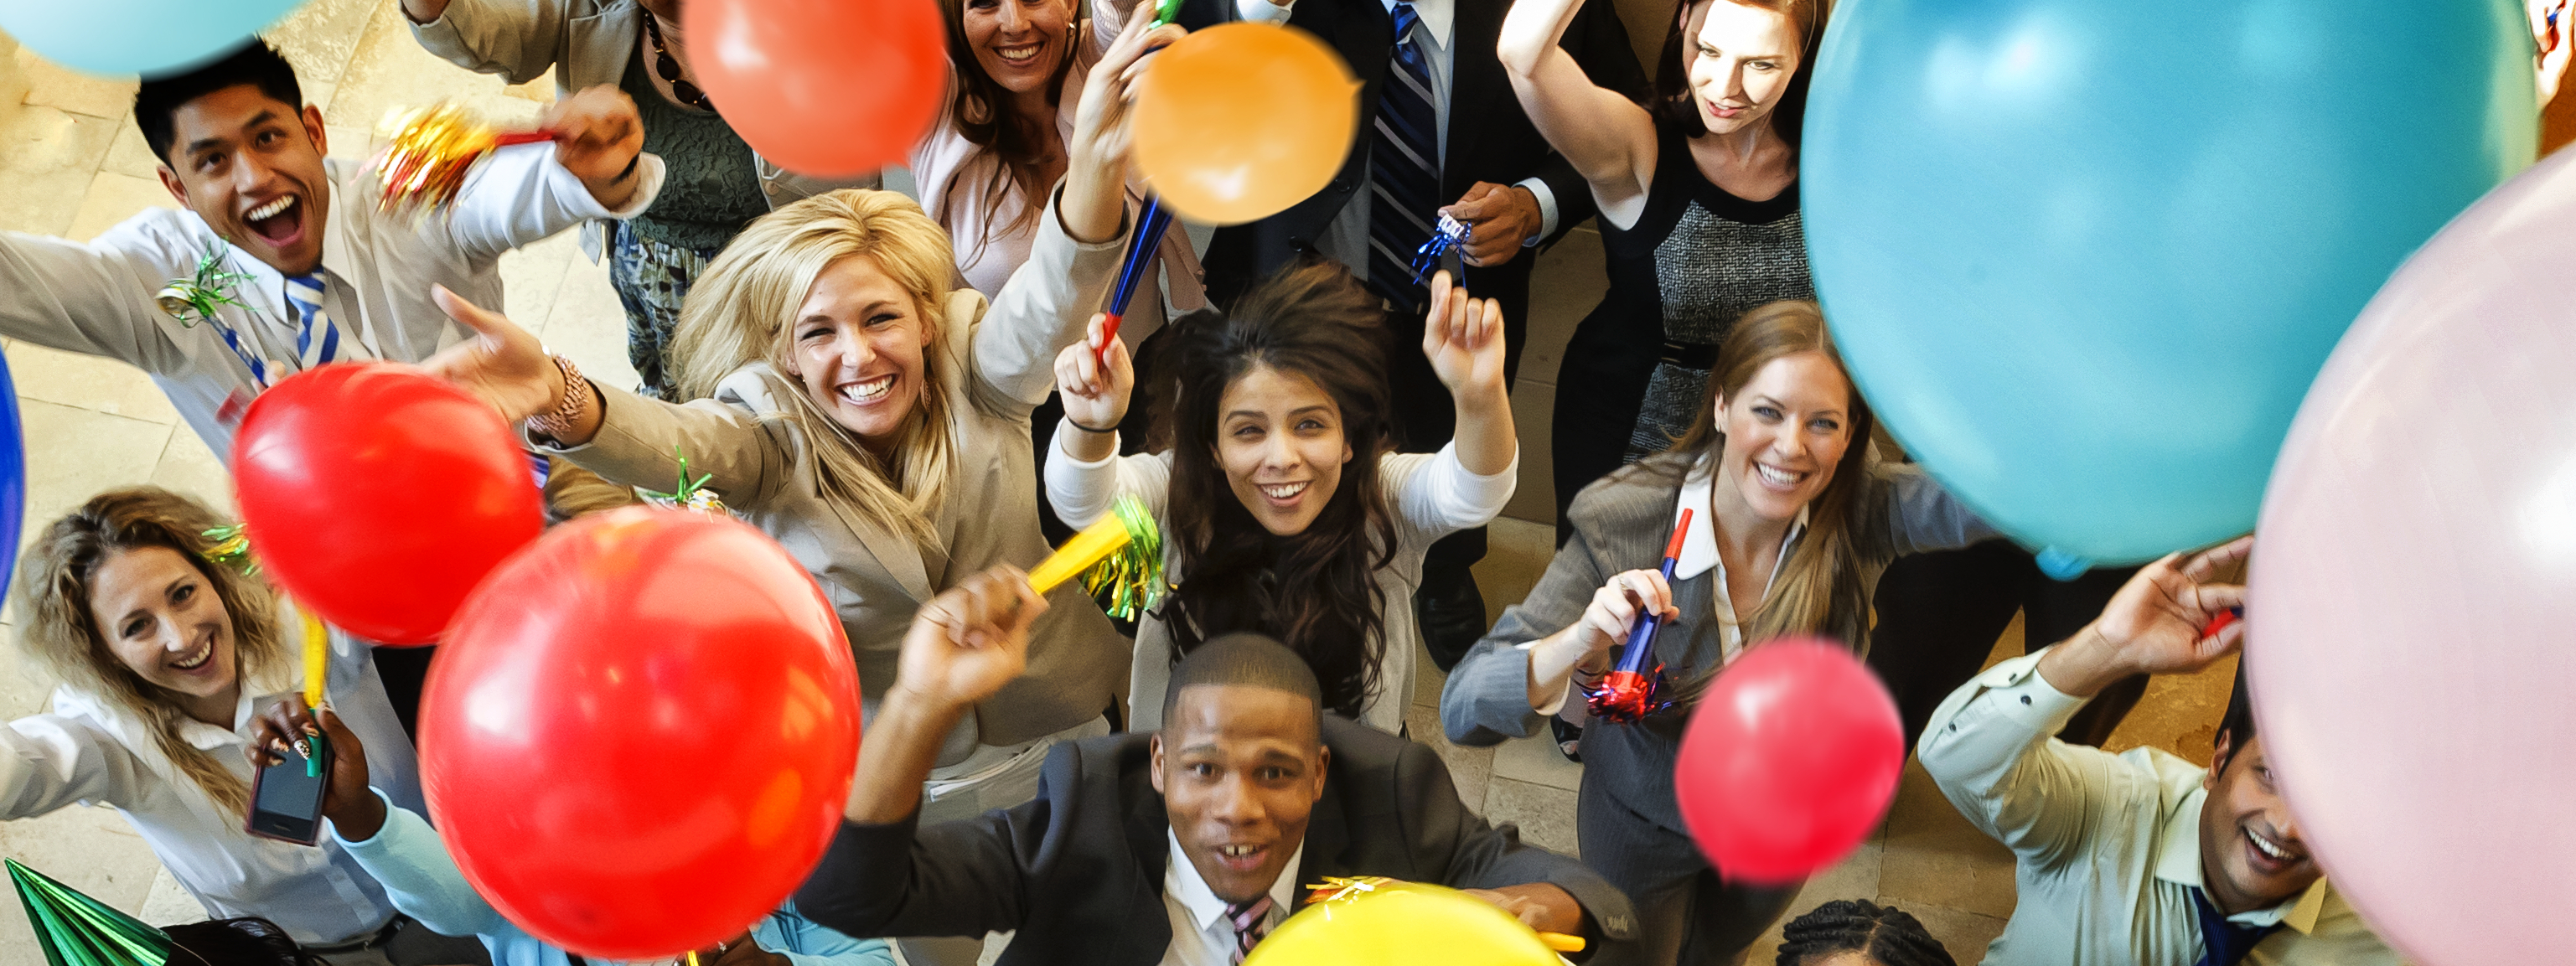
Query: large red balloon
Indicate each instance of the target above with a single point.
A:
(639, 734)
(1790, 760)
(832, 88)
(379, 495)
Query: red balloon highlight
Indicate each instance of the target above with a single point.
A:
(639, 734)
(1791, 758)
(830, 88)
(379, 495)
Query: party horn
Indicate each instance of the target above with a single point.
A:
(429, 150)
(1140, 252)
(1120, 558)
(317, 672)
(1627, 694)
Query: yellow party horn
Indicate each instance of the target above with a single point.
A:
(1123, 554)
(317, 672)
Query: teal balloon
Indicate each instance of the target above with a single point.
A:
(136, 36)
(2085, 256)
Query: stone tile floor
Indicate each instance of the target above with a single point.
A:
(73, 164)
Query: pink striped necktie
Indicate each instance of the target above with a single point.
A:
(1251, 922)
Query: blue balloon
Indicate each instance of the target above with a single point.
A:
(2085, 256)
(13, 475)
(136, 36)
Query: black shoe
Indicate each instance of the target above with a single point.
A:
(1569, 739)
(1451, 614)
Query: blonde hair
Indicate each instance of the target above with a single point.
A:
(62, 637)
(1819, 588)
(742, 311)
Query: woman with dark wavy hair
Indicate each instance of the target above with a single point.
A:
(1283, 508)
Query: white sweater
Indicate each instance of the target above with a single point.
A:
(1431, 495)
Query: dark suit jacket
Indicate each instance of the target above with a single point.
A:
(1079, 871)
(1490, 138)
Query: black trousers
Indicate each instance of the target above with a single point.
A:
(1686, 914)
(1940, 613)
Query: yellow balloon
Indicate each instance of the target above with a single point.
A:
(1237, 122)
(1383, 922)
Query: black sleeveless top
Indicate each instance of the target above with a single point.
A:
(1694, 262)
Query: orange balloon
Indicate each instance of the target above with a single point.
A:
(1239, 121)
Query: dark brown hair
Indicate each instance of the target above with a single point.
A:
(981, 109)
(1315, 591)
(1672, 99)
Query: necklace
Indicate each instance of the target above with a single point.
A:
(669, 67)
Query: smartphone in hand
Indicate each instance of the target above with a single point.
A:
(286, 801)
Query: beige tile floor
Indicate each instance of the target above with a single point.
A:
(72, 164)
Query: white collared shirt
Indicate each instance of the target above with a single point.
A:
(91, 751)
(2106, 848)
(1201, 933)
(99, 298)
(1699, 552)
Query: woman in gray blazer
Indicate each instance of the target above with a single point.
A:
(1793, 520)
(876, 423)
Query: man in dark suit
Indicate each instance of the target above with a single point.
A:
(1439, 132)
(1185, 846)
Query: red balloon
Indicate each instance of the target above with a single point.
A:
(639, 734)
(379, 494)
(1791, 758)
(830, 88)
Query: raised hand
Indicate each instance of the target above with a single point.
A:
(502, 365)
(1463, 337)
(598, 137)
(283, 735)
(1095, 188)
(967, 643)
(2156, 624)
(1095, 395)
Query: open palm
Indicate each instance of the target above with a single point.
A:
(1463, 338)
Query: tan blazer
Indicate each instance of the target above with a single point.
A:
(997, 364)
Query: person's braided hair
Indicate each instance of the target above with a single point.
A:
(1886, 934)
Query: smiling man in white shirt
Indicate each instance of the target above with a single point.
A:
(317, 273)
(2142, 857)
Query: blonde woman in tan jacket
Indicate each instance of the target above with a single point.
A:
(876, 422)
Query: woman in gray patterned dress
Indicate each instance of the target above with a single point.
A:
(1699, 210)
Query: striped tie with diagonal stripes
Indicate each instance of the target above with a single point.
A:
(316, 340)
(1251, 922)
(1404, 169)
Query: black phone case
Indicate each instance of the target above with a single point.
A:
(286, 828)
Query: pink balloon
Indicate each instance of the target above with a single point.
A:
(1790, 760)
(2415, 589)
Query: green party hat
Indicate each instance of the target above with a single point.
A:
(76, 930)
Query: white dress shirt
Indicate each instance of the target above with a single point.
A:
(1346, 240)
(1202, 935)
(98, 298)
(2106, 848)
(91, 751)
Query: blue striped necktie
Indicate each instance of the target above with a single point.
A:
(1404, 172)
(316, 340)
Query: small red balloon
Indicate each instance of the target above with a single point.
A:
(378, 495)
(639, 734)
(1791, 758)
(831, 88)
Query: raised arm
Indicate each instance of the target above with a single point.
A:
(50, 761)
(517, 39)
(1990, 746)
(1463, 337)
(596, 168)
(1608, 139)
(1518, 674)
(624, 437)
(93, 299)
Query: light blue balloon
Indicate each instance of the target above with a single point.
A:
(2085, 256)
(136, 36)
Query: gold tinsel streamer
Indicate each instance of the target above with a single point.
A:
(430, 149)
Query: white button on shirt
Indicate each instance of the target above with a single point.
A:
(1202, 935)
